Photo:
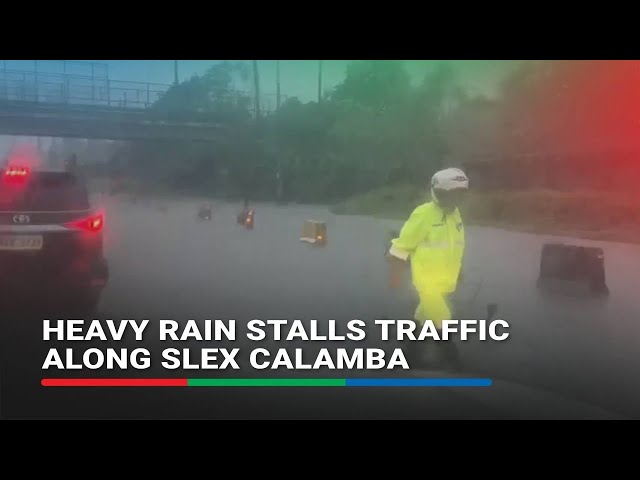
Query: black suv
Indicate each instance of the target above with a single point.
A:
(50, 240)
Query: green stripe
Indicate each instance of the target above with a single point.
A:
(266, 382)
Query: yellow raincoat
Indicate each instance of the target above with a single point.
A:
(434, 242)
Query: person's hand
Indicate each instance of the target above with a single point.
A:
(394, 280)
(395, 272)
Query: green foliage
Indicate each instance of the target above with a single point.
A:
(372, 143)
(377, 84)
(372, 130)
(213, 92)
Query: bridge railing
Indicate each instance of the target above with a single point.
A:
(29, 86)
(74, 89)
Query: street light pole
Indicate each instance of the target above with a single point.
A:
(319, 81)
(256, 80)
(35, 78)
(277, 84)
(5, 89)
(175, 72)
(279, 180)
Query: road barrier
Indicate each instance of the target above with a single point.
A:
(314, 232)
(573, 264)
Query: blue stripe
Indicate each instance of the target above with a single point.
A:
(419, 382)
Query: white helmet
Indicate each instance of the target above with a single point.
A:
(447, 180)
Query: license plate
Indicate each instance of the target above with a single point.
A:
(20, 242)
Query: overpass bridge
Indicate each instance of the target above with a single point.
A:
(54, 104)
(72, 121)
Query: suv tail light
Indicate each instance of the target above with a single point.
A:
(15, 174)
(92, 223)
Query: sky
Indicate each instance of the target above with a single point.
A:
(298, 78)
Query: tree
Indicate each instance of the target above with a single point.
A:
(219, 94)
(377, 84)
(374, 128)
(214, 92)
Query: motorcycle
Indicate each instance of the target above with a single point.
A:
(205, 212)
(246, 218)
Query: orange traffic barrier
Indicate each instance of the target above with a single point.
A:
(314, 232)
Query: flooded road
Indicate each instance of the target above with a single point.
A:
(167, 264)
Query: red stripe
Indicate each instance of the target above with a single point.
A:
(113, 382)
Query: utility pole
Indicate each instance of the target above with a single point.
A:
(35, 82)
(35, 78)
(319, 81)
(175, 72)
(256, 80)
(5, 89)
(279, 180)
(277, 84)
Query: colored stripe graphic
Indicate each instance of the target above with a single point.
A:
(113, 382)
(266, 382)
(419, 382)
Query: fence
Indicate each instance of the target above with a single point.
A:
(94, 89)
(31, 86)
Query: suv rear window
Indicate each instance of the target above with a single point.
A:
(45, 191)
